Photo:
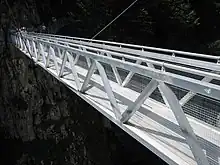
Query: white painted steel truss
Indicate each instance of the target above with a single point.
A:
(163, 67)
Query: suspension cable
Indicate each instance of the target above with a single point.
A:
(114, 19)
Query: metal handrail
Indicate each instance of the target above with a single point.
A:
(133, 46)
(142, 59)
(150, 55)
(192, 84)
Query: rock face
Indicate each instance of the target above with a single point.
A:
(53, 125)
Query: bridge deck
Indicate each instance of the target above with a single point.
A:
(154, 125)
(152, 91)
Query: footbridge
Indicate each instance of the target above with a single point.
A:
(167, 100)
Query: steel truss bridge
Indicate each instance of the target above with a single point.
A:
(167, 100)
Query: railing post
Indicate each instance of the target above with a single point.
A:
(88, 77)
(185, 127)
(73, 69)
(129, 76)
(63, 64)
(115, 71)
(87, 59)
(54, 58)
(25, 48)
(108, 90)
(76, 59)
(21, 44)
(148, 90)
(42, 53)
(34, 49)
(28, 48)
(164, 98)
(59, 52)
(38, 51)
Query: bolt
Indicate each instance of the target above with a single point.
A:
(208, 90)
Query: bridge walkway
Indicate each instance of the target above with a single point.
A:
(153, 96)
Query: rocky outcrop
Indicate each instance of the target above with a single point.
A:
(39, 110)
